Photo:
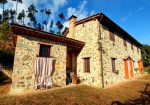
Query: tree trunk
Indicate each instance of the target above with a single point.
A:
(23, 21)
(16, 11)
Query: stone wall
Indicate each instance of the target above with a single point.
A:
(88, 32)
(116, 50)
(27, 49)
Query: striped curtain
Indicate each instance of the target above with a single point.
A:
(43, 72)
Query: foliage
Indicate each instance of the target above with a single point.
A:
(21, 17)
(6, 36)
(31, 15)
(6, 33)
(146, 55)
(147, 69)
(17, 1)
(6, 15)
(3, 2)
(12, 15)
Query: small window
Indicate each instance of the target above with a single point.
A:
(113, 60)
(132, 47)
(137, 49)
(87, 65)
(111, 35)
(44, 51)
(125, 42)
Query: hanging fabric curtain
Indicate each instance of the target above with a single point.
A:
(43, 72)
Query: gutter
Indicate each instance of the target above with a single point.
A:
(101, 52)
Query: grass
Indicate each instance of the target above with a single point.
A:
(78, 94)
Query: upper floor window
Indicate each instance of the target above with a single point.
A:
(111, 35)
(124, 42)
(44, 50)
(132, 47)
(87, 64)
(137, 49)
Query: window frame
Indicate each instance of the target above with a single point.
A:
(86, 61)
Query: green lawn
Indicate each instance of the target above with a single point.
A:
(78, 94)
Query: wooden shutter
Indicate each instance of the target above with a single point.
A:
(125, 42)
(111, 35)
(87, 64)
(113, 64)
(132, 47)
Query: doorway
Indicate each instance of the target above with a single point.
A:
(71, 68)
(128, 67)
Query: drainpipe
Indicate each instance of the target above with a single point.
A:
(101, 52)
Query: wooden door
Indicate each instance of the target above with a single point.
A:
(128, 68)
(141, 68)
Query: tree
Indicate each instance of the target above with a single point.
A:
(51, 26)
(19, 18)
(61, 16)
(145, 50)
(17, 1)
(6, 36)
(45, 23)
(59, 26)
(1, 18)
(23, 16)
(31, 15)
(12, 15)
(48, 13)
(39, 26)
(42, 12)
(32, 9)
(6, 15)
(59, 23)
(3, 2)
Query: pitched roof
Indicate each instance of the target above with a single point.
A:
(23, 30)
(106, 21)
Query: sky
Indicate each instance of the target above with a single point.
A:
(132, 15)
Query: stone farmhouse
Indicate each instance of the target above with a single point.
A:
(96, 49)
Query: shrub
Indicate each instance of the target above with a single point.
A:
(147, 69)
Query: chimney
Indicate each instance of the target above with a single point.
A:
(72, 21)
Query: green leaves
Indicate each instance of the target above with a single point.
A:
(146, 55)
(6, 33)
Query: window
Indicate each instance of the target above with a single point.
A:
(44, 51)
(125, 42)
(132, 47)
(113, 64)
(111, 35)
(137, 49)
(87, 65)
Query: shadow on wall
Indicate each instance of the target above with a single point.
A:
(6, 59)
(4, 79)
(144, 98)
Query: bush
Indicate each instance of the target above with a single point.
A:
(6, 58)
(147, 69)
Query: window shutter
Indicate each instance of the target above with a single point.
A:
(111, 35)
(87, 64)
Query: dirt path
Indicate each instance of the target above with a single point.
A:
(79, 94)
